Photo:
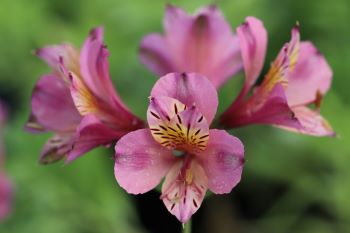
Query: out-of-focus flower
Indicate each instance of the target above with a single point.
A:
(180, 146)
(77, 101)
(299, 76)
(203, 43)
(5, 184)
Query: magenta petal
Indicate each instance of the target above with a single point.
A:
(56, 54)
(90, 134)
(222, 161)
(154, 53)
(190, 89)
(203, 43)
(94, 68)
(6, 194)
(311, 77)
(311, 120)
(52, 106)
(140, 162)
(253, 41)
(56, 148)
(271, 109)
(184, 189)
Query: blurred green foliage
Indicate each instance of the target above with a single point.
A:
(84, 197)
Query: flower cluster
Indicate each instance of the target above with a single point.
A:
(5, 184)
(194, 58)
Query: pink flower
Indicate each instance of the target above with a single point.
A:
(203, 43)
(180, 146)
(298, 77)
(5, 184)
(77, 101)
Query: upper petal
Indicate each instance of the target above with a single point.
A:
(94, 67)
(175, 126)
(140, 162)
(190, 89)
(184, 188)
(56, 54)
(155, 54)
(52, 106)
(253, 42)
(312, 123)
(203, 43)
(311, 77)
(222, 161)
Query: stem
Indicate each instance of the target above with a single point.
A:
(187, 227)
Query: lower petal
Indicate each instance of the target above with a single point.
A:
(140, 162)
(222, 161)
(92, 133)
(56, 148)
(312, 123)
(184, 189)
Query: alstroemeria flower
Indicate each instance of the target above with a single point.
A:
(77, 101)
(5, 184)
(180, 147)
(203, 43)
(299, 76)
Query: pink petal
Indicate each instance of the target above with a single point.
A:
(113, 115)
(56, 54)
(154, 53)
(253, 42)
(93, 91)
(94, 68)
(311, 77)
(140, 162)
(52, 106)
(184, 189)
(175, 127)
(222, 161)
(202, 43)
(92, 133)
(311, 120)
(270, 109)
(6, 195)
(190, 89)
(57, 147)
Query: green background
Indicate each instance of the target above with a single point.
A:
(84, 197)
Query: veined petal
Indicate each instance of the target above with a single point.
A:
(312, 123)
(154, 53)
(56, 148)
(56, 54)
(284, 64)
(140, 162)
(93, 91)
(184, 189)
(222, 161)
(253, 42)
(176, 127)
(311, 77)
(52, 106)
(95, 68)
(190, 89)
